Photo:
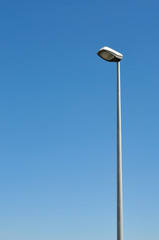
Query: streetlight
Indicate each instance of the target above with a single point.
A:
(111, 55)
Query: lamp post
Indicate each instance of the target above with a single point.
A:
(111, 55)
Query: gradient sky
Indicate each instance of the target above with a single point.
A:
(58, 119)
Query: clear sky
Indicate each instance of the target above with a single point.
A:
(58, 119)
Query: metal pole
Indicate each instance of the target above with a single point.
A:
(119, 161)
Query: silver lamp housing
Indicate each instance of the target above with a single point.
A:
(109, 54)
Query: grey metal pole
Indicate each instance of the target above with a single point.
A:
(119, 161)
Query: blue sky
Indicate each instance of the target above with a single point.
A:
(58, 119)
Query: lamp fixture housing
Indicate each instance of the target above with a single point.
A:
(109, 54)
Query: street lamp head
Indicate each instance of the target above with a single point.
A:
(109, 54)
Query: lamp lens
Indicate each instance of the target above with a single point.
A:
(107, 56)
